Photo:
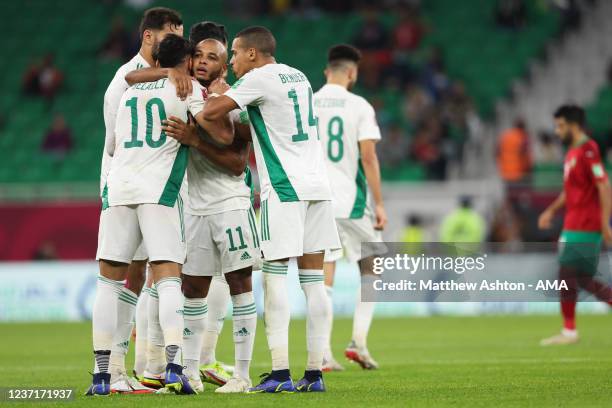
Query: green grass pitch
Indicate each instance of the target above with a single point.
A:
(435, 362)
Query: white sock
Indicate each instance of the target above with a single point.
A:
(276, 312)
(317, 321)
(363, 315)
(104, 319)
(126, 308)
(171, 304)
(140, 360)
(156, 359)
(218, 300)
(327, 354)
(195, 321)
(245, 323)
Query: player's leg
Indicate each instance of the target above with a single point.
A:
(119, 237)
(354, 234)
(578, 258)
(236, 239)
(362, 319)
(140, 359)
(244, 321)
(218, 300)
(163, 233)
(202, 262)
(320, 234)
(126, 310)
(568, 297)
(154, 372)
(589, 251)
(195, 289)
(329, 270)
(281, 237)
(310, 269)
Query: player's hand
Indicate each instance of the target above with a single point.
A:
(381, 217)
(218, 86)
(545, 219)
(184, 133)
(181, 81)
(606, 233)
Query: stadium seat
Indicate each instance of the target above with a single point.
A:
(459, 31)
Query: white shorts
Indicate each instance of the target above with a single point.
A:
(221, 243)
(295, 228)
(353, 232)
(125, 227)
(141, 253)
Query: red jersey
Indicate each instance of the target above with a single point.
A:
(581, 170)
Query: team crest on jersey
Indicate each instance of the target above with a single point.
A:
(598, 170)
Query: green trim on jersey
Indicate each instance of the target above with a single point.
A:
(105, 197)
(181, 217)
(248, 180)
(278, 177)
(173, 185)
(362, 192)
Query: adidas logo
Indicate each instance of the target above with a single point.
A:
(242, 332)
(124, 345)
(245, 256)
(179, 311)
(187, 332)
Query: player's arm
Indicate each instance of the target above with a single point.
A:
(181, 80)
(599, 177)
(221, 130)
(605, 201)
(233, 158)
(112, 98)
(545, 219)
(218, 106)
(243, 132)
(371, 168)
(248, 90)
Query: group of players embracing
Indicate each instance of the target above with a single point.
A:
(178, 234)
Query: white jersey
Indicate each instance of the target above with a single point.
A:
(278, 99)
(112, 96)
(345, 119)
(148, 166)
(212, 190)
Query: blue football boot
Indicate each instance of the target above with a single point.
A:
(100, 385)
(272, 385)
(312, 382)
(176, 381)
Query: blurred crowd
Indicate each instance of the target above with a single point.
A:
(433, 120)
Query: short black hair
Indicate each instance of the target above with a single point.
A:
(571, 114)
(205, 30)
(157, 17)
(172, 50)
(260, 38)
(343, 52)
